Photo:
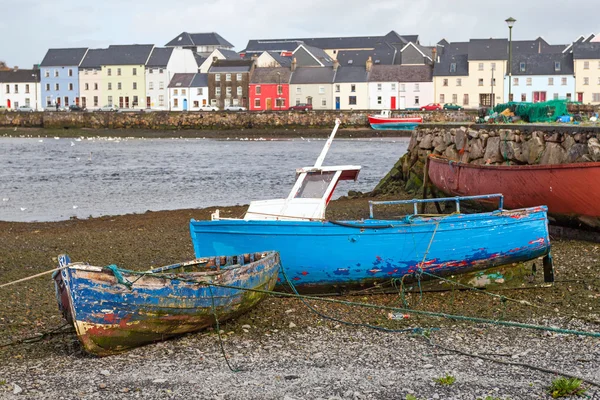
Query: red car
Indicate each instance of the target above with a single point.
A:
(301, 107)
(431, 107)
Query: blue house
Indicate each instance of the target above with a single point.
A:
(60, 76)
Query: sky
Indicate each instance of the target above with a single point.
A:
(28, 28)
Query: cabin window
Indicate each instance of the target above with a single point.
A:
(315, 185)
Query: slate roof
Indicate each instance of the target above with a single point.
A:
(347, 74)
(284, 61)
(93, 59)
(443, 67)
(234, 66)
(536, 46)
(63, 57)
(160, 57)
(320, 55)
(488, 49)
(586, 51)
(199, 39)
(199, 58)
(20, 75)
(229, 54)
(384, 53)
(542, 64)
(269, 75)
(258, 46)
(129, 54)
(200, 80)
(181, 80)
(308, 75)
(401, 73)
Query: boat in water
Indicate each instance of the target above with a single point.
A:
(385, 121)
(322, 256)
(570, 191)
(114, 309)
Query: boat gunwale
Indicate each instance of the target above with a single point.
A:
(444, 160)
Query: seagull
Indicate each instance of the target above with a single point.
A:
(72, 144)
(75, 207)
(41, 141)
(5, 199)
(23, 208)
(56, 137)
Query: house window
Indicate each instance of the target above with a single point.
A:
(7, 88)
(95, 72)
(110, 101)
(151, 71)
(442, 98)
(378, 99)
(160, 70)
(135, 101)
(353, 87)
(109, 72)
(550, 81)
(279, 90)
(523, 96)
(95, 86)
(134, 85)
(239, 91)
(586, 65)
(337, 88)
(480, 66)
(493, 66)
(109, 86)
(256, 103)
(298, 90)
(161, 100)
(321, 89)
(175, 103)
(85, 72)
(48, 100)
(596, 97)
(47, 87)
(70, 72)
(183, 92)
(217, 77)
(70, 86)
(161, 85)
(16, 88)
(458, 82)
(227, 77)
(217, 91)
(522, 67)
(586, 81)
(416, 100)
(297, 101)
(200, 92)
(119, 86)
(529, 81)
(480, 81)
(417, 87)
(465, 100)
(196, 104)
(175, 92)
(402, 87)
(557, 65)
(150, 85)
(516, 81)
(87, 86)
(455, 98)
(280, 103)
(238, 77)
(213, 102)
(324, 102)
(47, 74)
(228, 90)
(453, 67)
(95, 101)
(118, 71)
(257, 89)
(56, 73)
(134, 71)
(555, 96)
(445, 82)
(352, 100)
(56, 87)
(493, 82)
(379, 87)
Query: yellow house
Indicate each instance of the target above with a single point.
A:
(124, 75)
(586, 59)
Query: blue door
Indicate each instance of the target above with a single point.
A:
(184, 104)
(337, 103)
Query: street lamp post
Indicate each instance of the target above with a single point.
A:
(510, 22)
(492, 84)
(278, 86)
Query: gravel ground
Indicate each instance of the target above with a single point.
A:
(284, 350)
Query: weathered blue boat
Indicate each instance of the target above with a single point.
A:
(114, 309)
(325, 256)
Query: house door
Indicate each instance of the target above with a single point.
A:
(269, 103)
(8, 103)
(77, 100)
(580, 97)
(184, 104)
(126, 101)
(120, 101)
(402, 103)
(66, 101)
(542, 96)
(536, 97)
(393, 102)
(83, 102)
(337, 103)
(148, 102)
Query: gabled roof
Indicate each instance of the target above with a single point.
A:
(445, 66)
(271, 75)
(93, 58)
(129, 54)
(199, 39)
(258, 46)
(284, 61)
(229, 54)
(200, 80)
(160, 57)
(199, 58)
(488, 49)
(310, 75)
(425, 51)
(63, 57)
(543, 64)
(181, 80)
(234, 66)
(586, 51)
(384, 53)
(319, 54)
(401, 73)
(443, 42)
(345, 74)
(20, 75)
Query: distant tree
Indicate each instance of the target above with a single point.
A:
(3, 66)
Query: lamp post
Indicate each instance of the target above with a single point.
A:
(278, 86)
(510, 22)
(492, 85)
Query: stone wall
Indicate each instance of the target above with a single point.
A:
(209, 120)
(494, 145)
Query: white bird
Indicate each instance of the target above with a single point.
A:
(75, 207)
(41, 141)
(56, 137)
(5, 199)
(78, 158)
(72, 144)
(23, 208)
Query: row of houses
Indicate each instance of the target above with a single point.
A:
(375, 72)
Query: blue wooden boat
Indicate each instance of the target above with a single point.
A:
(325, 256)
(115, 309)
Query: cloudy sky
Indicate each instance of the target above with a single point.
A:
(28, 28)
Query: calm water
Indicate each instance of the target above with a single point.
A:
(54, 179)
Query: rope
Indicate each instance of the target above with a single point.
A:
(214, 311)
(37, 338)
(34, 276)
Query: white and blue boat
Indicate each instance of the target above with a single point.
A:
(324, 256)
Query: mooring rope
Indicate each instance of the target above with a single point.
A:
(214, 311)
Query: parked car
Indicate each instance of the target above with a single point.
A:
(108, 108)
(76, 108)
(24, 109)
(452, 106)
(208, 107)
(301, 107)
(431, 107)
(3, 109)
(235, 108)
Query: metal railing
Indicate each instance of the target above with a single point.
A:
(456, 199)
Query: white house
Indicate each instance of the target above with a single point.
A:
(20, 87)
(400, 87)
(217, 54)
(198, 93)
(350, 88)
(188, 92)
(162, 65)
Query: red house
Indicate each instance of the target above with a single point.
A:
(270, 89)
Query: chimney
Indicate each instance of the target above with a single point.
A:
(215, 59)
(369, 64)
(15, 68)
(293, 64)
(336, 64)
(433, 54)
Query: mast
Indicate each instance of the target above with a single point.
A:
(321, 158)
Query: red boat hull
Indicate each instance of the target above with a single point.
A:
(375, 119)
(569, 190)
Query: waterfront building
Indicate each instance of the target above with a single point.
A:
(60, 76)
(188, 92)
(400, 87)
(162, 65)
(270, 89)
(350, 87)
(586, 57)
(200, 43)
(90, 80)
(20, 87)
(228, 82)
(217, 54)
(312, 85)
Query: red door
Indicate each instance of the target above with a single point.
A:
(393, 102)
(536, 97)
(8, 103)
(580, 97)
(542, 96)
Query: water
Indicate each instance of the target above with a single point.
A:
(55, 179)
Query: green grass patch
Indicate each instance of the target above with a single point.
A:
(565, 387)
(446, 380)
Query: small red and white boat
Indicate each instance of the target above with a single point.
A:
(384, 121)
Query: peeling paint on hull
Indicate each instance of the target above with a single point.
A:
(321, 256)
(110, 317)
